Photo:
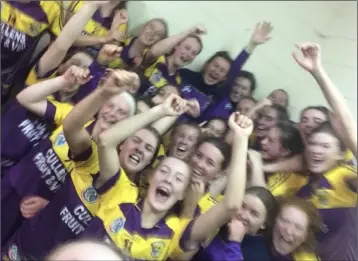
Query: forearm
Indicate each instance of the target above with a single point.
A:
(257, 176)
(166, 45)
(85, 110)
(163, 125)
(89, 40)
(58, 50)
(250, 47)
(339, 106)
(292, 164)
(34, 97)
(255, 109)
(125, 128)
(235, 188)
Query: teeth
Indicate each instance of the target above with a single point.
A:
(196, 172)
(134, 158)
(181, 148)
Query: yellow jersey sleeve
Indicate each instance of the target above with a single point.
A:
(207, 202)
(54, 12)
(337, 194)
(182, 231)
(305, 256)
(285, 184)
(57, 111)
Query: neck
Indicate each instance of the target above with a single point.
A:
(107, 9)
(150, 217)
(172, 68)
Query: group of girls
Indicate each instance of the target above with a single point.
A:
(106, 136)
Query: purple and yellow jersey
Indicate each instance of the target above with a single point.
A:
(67, 215)
(157, 76)
(39, 172)
(337, 205)
(125, 61)
(296, 256)
(285, 184)
(97, 26)
(349, 158)
(120, 224)
(190, 92)
(21, 23)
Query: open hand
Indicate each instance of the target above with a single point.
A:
(75, 76)
(174, 105)
(261, 33)
(240, 124)
(311, 60)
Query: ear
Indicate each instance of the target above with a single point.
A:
(285, 152)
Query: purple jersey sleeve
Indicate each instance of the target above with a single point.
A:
(97, 72)
(236, 66)
(221, 109)
(190, 92)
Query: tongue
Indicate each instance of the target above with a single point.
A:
(161, 197)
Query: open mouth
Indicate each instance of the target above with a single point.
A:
(213, 76)
(162, 194)
(286, 240)
(197, 173)
(134, 158)
(317, 161)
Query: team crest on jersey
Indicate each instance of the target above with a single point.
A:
(34, 28)
(90, 194)
(14, 253)
(156, 77)
(157, 248)
(60, 139)
(228, 106)
(117, 225)
(322, 196)
(186, 88)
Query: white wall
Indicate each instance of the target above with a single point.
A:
(333, 24)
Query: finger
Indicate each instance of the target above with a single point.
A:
(298, 59)
(29, 201)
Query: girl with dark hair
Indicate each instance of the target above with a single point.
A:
(222, 79)
(216, 127)
(244, 236)
(282, 141)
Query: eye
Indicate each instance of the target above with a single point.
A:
(178, 179)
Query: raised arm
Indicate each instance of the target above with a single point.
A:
(311, 62)
(78, 139)
(257, 178)
(166, 45)
(258, 106)
(291, 164)
(59, 48)
(259, 36)
(34, 97)
(208, 223)
(111, 138)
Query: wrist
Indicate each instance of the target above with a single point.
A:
(101, 92)
(251, 47)
(235, 239)
(318, 72)
(159, 111)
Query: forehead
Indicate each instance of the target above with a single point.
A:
(216, 123)
(294, 214)
(278, 93)
(269, 111)
(156, 24)
(211, 151)
(323, 137)
(314, 114)
(254, 202)
(147, 136)
(119, 101)
(176, 165)
(193, 42)
(274, 133)
(222, 61)
(187, 129)
(243, 81)
(246, 102)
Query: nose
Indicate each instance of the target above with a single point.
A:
(264, 142)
